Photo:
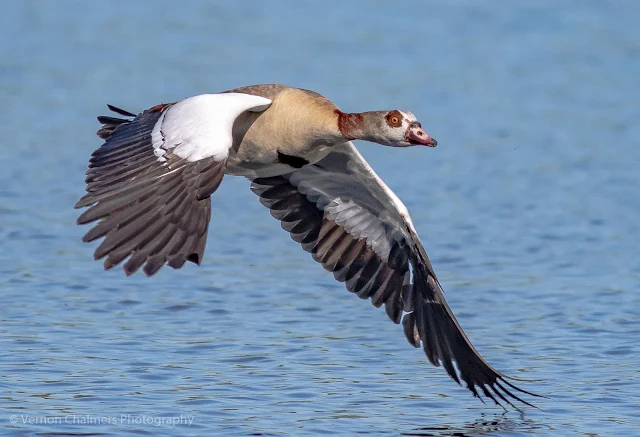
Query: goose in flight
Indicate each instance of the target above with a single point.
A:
(149, 187)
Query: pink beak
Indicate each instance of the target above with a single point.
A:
(416, 135)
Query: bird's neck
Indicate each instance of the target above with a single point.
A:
(355, 125)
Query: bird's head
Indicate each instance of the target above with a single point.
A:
(390, 128)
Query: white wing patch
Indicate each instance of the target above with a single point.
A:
(201, 127)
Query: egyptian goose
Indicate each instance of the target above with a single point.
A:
(150, 183)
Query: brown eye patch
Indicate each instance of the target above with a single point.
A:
(394, 118)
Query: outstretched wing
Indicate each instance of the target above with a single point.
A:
(149, 183)
(343, 214)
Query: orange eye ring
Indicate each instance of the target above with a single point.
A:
(394, 120)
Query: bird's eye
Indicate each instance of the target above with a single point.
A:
(394, 119)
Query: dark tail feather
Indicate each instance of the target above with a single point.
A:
(120, 111)
(109, 124)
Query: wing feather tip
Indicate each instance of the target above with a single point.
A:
(120, 111)
(129, 271)
(195, 258)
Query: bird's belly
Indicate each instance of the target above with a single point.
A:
(269, 162)
(254, 170)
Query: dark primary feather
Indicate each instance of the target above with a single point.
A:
(340, 214)
(120, 111)
(111, 123)
(148, 211)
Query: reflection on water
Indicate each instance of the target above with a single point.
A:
(487, 425)
(527, 207)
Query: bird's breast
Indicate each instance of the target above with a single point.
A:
(261, 140)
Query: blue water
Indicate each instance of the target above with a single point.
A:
(529, 208)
